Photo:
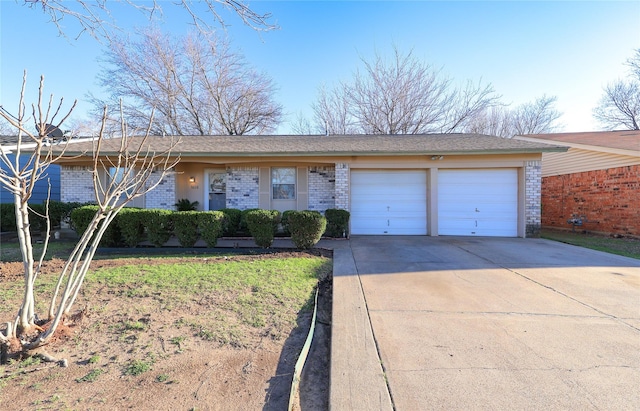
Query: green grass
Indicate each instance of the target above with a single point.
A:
(627, 247)
(10, 251)
(92, 376)
(235, 295)
(137, 367)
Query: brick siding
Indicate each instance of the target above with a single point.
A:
(532, 209)
(322, 182)
(243, 185)
(164, 195)
(76, 184)
(609, 199)
(342, 186)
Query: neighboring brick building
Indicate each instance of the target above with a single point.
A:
(596, 182)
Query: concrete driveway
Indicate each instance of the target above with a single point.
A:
(424, 323)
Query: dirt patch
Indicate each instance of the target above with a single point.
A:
(163, 363)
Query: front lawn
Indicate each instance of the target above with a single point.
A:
(171, 332)
(628, 247)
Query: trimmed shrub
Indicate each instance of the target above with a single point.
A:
(185, 225)
(59, 211)
(81, 218)
(262, 226)
(210, 224)
(337, 223)
(306, 228)
(285, 222)
(232, 218)
(158, 225)
(8, 217)
(130, 224)
(244, 227)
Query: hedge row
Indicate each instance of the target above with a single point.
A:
(58, 212)
(131, 224)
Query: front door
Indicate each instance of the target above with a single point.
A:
(216, 189)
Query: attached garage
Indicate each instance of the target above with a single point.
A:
(391, 202)
(479, 202)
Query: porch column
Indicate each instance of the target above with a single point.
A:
(342, 186)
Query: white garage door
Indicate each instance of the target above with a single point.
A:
(392, 202)
(478, 202)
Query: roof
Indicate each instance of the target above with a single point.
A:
(335, 145)
(618, 142)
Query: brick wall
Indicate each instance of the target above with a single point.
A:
(76, 184)
(342, 186)
(243, 187)
(532, 181)
(609, 199)
(322, 182)
(164, 195)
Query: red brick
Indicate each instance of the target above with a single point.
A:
(609, 199)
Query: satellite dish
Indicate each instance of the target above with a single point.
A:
(51, 131)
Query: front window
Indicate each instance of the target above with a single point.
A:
(283, 183)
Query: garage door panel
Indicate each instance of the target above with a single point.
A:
(478, 202)
(391, 202)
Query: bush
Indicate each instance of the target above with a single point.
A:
(306, 228)
(37, 223)
(81, 218)
(337, 223)
(285, 222)
(59, 211)
(244, 227)
(262, 226)
(130, 224)
(232, 218)
(185, 225)
(184, 204)
(8, 217)
(210, 224)
(158, 225)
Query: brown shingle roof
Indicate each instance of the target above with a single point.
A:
(306, 145)
(621, 140)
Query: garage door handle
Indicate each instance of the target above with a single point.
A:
(477, 211)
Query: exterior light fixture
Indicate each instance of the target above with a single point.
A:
(437, 157)
(192, 179)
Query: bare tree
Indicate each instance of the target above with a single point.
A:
(134, 170)
(331, 112)
(197, 86)
(302, 125)
(402, 95)
(620, 104)
(539, 116)
(96, 19)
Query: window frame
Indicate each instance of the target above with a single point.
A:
(291, 190)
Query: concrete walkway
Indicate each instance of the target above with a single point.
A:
(476, 323)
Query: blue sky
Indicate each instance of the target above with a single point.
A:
(567, 49)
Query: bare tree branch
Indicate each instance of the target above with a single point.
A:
(402, 95)
(539, 116)
(95, 18)
(197, 86)
(137, 170)
(620, 104)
